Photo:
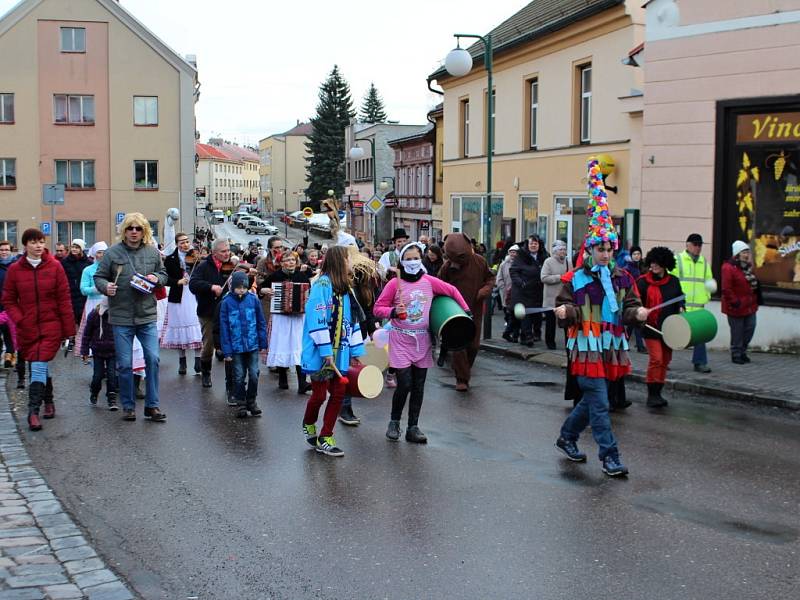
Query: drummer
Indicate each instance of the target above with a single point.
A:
(657, 286)
(407, 302)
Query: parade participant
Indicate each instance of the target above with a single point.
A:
(741, 295)
(554, 267)
(433, 260)
(312, 260)
(132, 306)
(527, 287)
(61, 251)
(98, 338)
(251, 256)
(390, 260)
(655, 287)
(7, 329)
(697, 282)
(243, 336)
(36, 296)
(471, 276)
(407, 302)
(595, 302)
(206, 283)
(503, 283)
(74, 264)
(635, 266)
(182, 330)
(90, 293)
(286, 329)
(331, 343)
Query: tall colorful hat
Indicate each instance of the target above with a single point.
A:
(601, 225)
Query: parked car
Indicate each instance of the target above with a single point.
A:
(296, 217)
(244, 219)
(238, 215)
(219, 216)
(259, 226)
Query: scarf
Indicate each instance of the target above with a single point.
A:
(605, 280)
(747, 271)
(34, 262)
(654, 296)
(411, 278)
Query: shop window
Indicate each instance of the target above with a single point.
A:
(468, 215)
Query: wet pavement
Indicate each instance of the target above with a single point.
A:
(208, 506)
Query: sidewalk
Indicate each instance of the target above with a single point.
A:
(43, 555)
(770, 380)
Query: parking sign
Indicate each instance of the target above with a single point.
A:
(120, 217)
(46, 227)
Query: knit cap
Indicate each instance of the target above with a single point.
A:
(239, 280)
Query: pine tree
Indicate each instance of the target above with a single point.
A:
(325, 145)
(372, 109)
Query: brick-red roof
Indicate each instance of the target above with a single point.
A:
(301, 129)
(210, 152)
(234, 152)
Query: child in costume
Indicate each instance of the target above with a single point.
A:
(407, 301)
(98, 338)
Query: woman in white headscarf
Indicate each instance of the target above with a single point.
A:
(93, 296)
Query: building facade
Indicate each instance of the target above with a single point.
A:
(218, 177)
(414, 182)
(246, 178)
(721, 153)
(436, 116)
(559, 90)
(95, 102)
(283, 169)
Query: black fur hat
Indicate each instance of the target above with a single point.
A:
(662, 256)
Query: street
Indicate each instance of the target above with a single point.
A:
(210, 506)
(229, 231)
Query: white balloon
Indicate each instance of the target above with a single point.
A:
(711, 286)
(380, 338)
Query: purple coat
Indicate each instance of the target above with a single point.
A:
(98, 336)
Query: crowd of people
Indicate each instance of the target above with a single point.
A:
(307, 313)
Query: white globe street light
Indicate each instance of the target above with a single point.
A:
(458, 62)
(356, 153)
(384, 185)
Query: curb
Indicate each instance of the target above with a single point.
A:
(43, 554)
(552, 360)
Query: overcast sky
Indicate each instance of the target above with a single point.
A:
(261, 62)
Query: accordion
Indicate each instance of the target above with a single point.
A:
(289, 298)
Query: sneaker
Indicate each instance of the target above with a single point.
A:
(347, 417)
(391, 381)
(508, 337)
(571, 450)
(702, 368)
(393, 431)
(613, 467)
(254, 410)
(112, 401)
(154, 415)
(241, 413)
(746, 358)
(230, 398)
(310, 433)
(737, 360)
(327, 445)
(415, 435)
(93, 399)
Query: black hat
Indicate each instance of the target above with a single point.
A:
(399, 233)
(694, 238)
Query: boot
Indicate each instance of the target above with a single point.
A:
(198, 366)
(182, 365)
(654, 398)
(302, 385)
(20, 373)
(35, 398)
(137, 387)
(8, 360)
(206, 372)
(393, 431)
(283, 378)
(230, 387)
(415, 436)
(49, 407)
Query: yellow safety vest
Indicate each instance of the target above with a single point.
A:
(693, 275)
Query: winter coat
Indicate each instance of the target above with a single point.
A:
(38, 301)
(88, 288)
(98, 335)
(552, 270)
(205, 276)
(3, 271)
(468, 272)
(503, 280)
(129, 307)
(242, 326)
(739, 299)
(526, 280)
(73, 267)
(431, 267)
(671, 289)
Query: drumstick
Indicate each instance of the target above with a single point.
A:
(668, 302)
(119, 272)
(335, 370)
(653, 329)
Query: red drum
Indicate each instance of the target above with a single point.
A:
(364, 381)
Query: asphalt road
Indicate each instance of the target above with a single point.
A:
(295, 235)
(207, 506)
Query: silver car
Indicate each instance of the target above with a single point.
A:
(259, 226)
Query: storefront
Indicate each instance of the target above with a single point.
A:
(757, 198)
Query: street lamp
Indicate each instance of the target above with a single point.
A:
(357, 153)
(458, 63)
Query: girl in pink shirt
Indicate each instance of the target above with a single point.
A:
(407, 301)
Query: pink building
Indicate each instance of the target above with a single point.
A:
(721, 142)
(413, 173)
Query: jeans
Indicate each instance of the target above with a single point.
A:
(245, 364)
(147, 334)
(592, 410)
(319, 391)
(410, 380)
(39, 371)
(104, 368)
(742, 330)
(699, 355)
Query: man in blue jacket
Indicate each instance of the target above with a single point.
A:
(243, 336)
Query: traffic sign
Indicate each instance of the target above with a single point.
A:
(120, 217)
(374, 204)
(53, 193)
(341, 214)
(308, 212)
(46, 228)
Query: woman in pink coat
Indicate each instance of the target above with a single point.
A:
(407, 301)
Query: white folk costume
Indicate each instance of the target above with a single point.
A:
(286, 328)
(181, 329)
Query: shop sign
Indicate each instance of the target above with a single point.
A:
(768, 128)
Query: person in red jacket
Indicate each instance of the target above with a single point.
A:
(741, 294)
(37, 298)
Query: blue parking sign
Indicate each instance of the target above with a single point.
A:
(46, 228)
(120, 217)
(341, 214)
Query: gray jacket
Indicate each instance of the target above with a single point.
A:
(552, 270)
(129, 307)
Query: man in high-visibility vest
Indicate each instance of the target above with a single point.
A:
(697, 282)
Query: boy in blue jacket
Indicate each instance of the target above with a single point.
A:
(243, 336)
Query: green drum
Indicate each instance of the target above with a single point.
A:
(689, 328)
(450, 323)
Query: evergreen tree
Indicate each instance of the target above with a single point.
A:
(325, 145)
(372, 109)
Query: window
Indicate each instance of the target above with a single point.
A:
(145, 110)
(8, 172)
(73, 109)
(8, 231)
(464, 128)
(419, 181)
(69, 230)
(534, 113)
(586, 103)
(468, 215)
(430, 181)
(145, 174)
(6, 108)
(490, 124)
(73, 39)
(154, 228)
(75, 174)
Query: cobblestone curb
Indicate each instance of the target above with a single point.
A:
(43, 554)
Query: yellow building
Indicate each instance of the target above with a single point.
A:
(559, 88)
(283, 170)
(100, 106)
(437, 117)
